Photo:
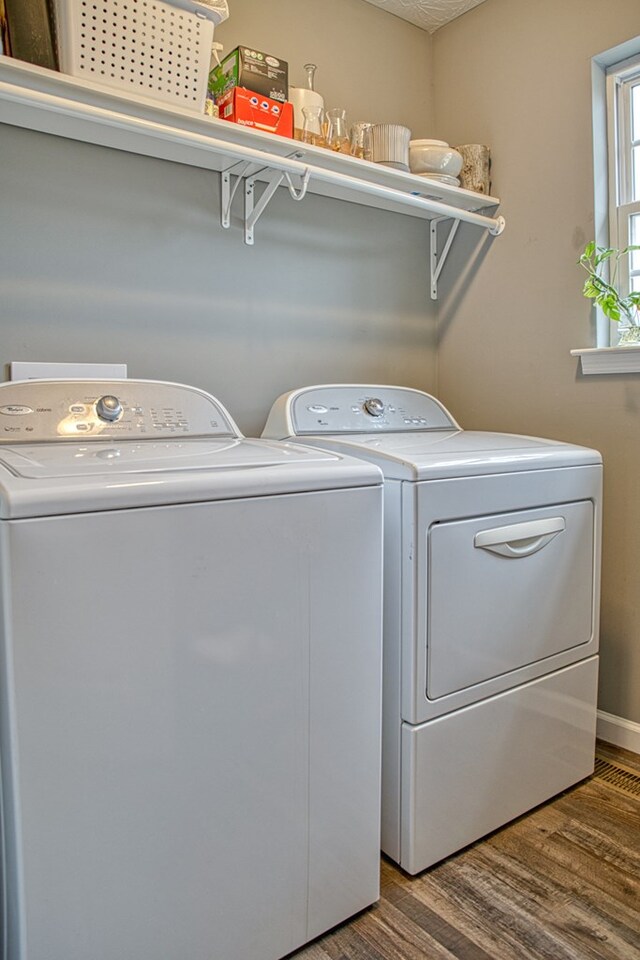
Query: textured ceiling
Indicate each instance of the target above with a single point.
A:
(428, 14)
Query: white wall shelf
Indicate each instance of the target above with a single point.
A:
(38, 99)
(603, 360)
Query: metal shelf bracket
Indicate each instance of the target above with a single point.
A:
(254, 208)
(437, 261)
(228, 192)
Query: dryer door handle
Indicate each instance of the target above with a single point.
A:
(520, 539)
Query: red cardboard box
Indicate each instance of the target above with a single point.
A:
(250, 109)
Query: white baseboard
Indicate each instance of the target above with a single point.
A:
(617, 730)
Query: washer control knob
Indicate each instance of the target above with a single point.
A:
(374, 407)
(109, 408)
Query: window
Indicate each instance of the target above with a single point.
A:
(623, 108)
(615, 82)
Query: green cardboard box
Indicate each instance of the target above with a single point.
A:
(245, 67)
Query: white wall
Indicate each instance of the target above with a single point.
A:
(516, 76)
(109, 256)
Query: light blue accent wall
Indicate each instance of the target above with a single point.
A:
(105, 256)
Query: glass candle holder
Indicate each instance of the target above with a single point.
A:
(312, 126)
(338, 131)
(361, 140)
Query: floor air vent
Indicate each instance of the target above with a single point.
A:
(618, 777)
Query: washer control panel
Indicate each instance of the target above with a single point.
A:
(363, 409)
(48, 410)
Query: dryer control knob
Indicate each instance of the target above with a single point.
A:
(109, 408)
(374, 407)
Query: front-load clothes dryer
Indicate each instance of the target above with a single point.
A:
(491, 599)
(190, 660)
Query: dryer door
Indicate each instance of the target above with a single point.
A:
(505, 591)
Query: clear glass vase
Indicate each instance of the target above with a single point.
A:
(338, 131)
(629, 334)
(312, 128)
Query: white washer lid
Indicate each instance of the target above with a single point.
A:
(52, 479)
(442, 454)
(57, 461)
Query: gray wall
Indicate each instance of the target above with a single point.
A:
(106, 256)
(516, 76)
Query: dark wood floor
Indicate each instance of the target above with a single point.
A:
(561, 883)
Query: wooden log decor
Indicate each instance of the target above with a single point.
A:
(475, 168)
(4, 32)
(30, 32)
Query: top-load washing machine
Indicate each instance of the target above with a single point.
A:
(190, 670)
(491, 599)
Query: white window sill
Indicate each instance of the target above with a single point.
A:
(609, 359)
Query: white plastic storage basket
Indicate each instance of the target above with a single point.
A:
(147, 48)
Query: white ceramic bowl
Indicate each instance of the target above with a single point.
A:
(434, 156)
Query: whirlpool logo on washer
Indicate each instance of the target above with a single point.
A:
(15, 410)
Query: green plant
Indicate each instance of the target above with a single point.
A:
(601, 264)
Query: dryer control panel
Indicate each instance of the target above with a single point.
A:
(356, 408)
(48, 410)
